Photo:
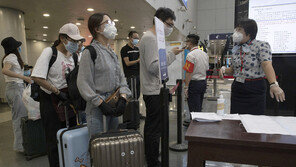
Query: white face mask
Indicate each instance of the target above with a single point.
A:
(168, 30)
(237, 37)
(110, 31)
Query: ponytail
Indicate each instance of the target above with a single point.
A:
(56, 43)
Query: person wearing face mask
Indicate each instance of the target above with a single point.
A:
(197, 64)
(100, 78)
(27, 70)
(54, 86)
(251, 62)
(13, 70)
(80, 49)
(130, 60)
(150, 83)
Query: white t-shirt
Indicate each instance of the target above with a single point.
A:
(56, 75)
(200, 61)
(12, 59)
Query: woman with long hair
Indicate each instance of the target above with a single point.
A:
(13, 70)
(99, 79)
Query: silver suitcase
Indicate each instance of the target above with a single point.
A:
(123, 148)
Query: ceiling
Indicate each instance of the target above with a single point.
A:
(136, 13)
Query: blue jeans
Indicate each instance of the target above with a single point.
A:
(14, 94)
(94, 118)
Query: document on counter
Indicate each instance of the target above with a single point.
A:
(205, 117)
(231, 117)
(288, 123)
(266, 124)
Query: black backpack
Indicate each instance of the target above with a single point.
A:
(76, 99)
(35, 88)
(71, 77)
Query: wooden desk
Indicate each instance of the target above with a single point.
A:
(228, 141)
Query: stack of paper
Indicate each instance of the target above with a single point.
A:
(288, 123)
(231, 117)
(205, 117)
(262, 124)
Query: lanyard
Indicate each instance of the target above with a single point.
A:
(242, 57)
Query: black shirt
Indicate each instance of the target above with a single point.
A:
(133, 54)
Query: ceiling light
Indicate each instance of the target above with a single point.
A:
(78, 23)
(34, 41)
(90, 9)
(45, 27)
(46, 15)
(44, 40)
(133, 27)
(45, 35)
(115, 20)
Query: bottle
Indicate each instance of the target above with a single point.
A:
(220, 105)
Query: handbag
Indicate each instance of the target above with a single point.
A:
(113, 98)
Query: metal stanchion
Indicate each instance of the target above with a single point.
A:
(164, 99)
(179, 146)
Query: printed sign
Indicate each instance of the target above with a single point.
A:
(160, 38)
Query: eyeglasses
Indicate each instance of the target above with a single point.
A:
(72, 40)
(170, 25)
(108, 22)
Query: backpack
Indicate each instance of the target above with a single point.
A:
(71, 77)
(35, 88)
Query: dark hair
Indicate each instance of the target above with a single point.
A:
(19, 58)
(94, 22)
(131, 33)
(250, 27)
(192, 38)
(58, 41)
(164, 13)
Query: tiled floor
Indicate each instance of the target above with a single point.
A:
(10, 158)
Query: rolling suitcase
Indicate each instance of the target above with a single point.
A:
(73, 145)
(123, 148)
(131, 116)
(33, 138)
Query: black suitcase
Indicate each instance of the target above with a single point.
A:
(33, 138)
(131, 116)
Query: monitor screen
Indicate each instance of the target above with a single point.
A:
(276, 21)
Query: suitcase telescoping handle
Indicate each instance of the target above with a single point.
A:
(134, 86)
(67, 116)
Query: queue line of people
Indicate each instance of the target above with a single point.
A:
(98, 79)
